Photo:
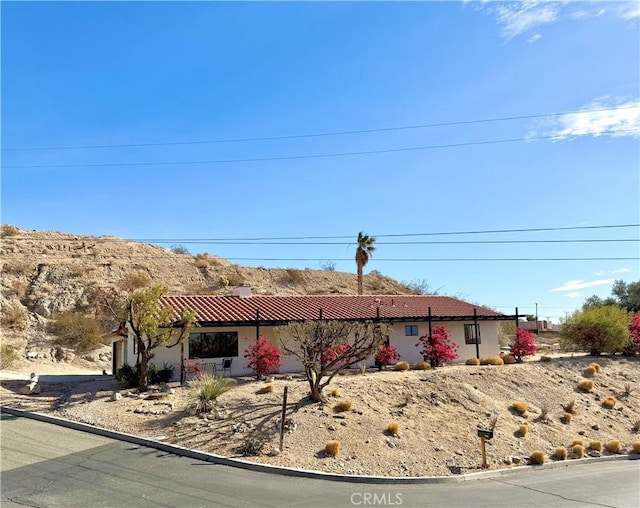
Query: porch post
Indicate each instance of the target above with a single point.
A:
(257, 324)
(181, 362)
(477, 332)
(432, 362)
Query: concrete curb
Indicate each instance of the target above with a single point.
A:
(301, 473)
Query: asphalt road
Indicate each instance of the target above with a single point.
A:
(44, 465)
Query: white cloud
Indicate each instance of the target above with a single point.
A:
(574, 294)
(598, 118)
(518, 17)
(534, 38)
(600, 272)
(621, 270)
(585, 14)
(628, 10)
(574, 285)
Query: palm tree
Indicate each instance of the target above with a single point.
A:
(363, 253)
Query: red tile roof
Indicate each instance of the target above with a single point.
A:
(234, 309)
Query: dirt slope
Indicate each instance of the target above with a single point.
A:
(48, 272)
(438, 412)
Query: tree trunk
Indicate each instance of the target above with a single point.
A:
(144, 369)
(360, 279)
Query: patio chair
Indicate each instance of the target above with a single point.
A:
(226, 366)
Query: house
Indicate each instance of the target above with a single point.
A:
(228, 325)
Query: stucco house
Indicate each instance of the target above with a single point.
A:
(227, 325)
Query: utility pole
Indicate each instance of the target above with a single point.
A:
(537, 329)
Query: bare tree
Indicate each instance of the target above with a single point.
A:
(324, 348)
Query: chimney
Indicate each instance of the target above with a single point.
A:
(242, 291)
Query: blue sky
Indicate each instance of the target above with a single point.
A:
(164, 75)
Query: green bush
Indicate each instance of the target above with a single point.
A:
(208, 389)
(159, 376)
(129, 376)
(597, 330)
(8, 356)
(252, 446)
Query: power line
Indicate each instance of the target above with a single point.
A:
(403, 260)
(458, 242)
(316, 135)
(298, 157)
(98, 256)
(334, 237)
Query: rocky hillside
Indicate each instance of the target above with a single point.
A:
(47, 272)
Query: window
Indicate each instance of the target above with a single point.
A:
(472, 334)
(411, 330)
(213, 344)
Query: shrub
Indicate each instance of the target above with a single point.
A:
(77, 331)
(596, 366)
(613, 446)
(523, 429)
(560, 453)
(438, 348)
(135, 280)
(601, 329)
(634, 331)
(595, 445)
(335, 392)
(386, 355)
(491, 360)
(578, 451)
(545, 358)
(590, 371)
(332, 448)
(567, 417)
(571, 407)
(8, 356)
(626, 393)
(8, 230)
(537, 457)
(635, 447)
(508, 359)
(393, 428)
(577, 442)
(523, 345)
(129, 376)
(544, 412)
(159, 376)
(635, 428)
(344, 405)
(472, 361)
(14, 316)
(520, 407)
(401, 366)
(294, 276)
(252, 446)
(586, 385)
(609, 403)
(208, 389)
(266, 389)
(263, 357)
(421, 366)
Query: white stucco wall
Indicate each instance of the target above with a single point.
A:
(405, 346)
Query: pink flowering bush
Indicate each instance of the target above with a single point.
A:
(634, 330)
(386, 356)
(332, 353)
(263, 356)
(523, 345)
(439, 348)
